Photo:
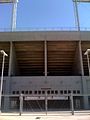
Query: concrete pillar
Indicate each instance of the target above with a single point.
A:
(13, 67)
(85, 91)
(81, 59)
(11, 72)
(77, 68)
(83, 81)
(78, 61)
(6, 92)
(45, 57)
(7, 83)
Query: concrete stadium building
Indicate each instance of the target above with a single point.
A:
(52, 60)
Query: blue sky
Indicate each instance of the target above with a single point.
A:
(45, 14)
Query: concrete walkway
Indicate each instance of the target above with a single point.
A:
(44, 117)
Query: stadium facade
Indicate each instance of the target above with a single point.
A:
(52, 60)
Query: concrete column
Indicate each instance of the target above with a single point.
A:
(45, 57)
(11, 72)
(78, 70)
(78, 61)
(7, 82)
(77, 65)
(85, 91)
(6, 92)
(81, 59)
(83, 81)
(46, 102)
(13, 67)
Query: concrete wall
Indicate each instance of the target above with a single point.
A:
(55, 83)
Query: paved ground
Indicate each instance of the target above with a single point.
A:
(45, 117)
(32, 116)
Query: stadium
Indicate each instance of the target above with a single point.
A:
(46, 62)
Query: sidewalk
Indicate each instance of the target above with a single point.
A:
(44, 117)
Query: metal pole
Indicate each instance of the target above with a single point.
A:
(21, 104)
(46, 101)
(14, 15)
(1, 85)
(72, 105)
(76, 15)
(88, 63)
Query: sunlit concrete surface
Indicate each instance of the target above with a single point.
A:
(63, 115)
(44, 117)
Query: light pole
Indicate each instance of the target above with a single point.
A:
(1, 85)
(14, 15)
(76, 15)
(87, 54)
(14, 12)
(76, 11)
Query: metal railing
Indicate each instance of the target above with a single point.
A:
(46, 104)
(46, 29)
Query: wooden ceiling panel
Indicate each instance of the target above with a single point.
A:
(30, 56)
(29, 46)
(61, 46)
(61, 56)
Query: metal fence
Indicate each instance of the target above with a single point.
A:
(46, 104)
(46, 29)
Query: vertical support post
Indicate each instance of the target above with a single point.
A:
(45, 56)
(21, 104)
(6, 100)
(72, 105)
(13, 67)
(81, 60)
(46, 104)
(84, 83)
(85, 98)
(10, 59)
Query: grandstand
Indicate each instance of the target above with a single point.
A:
(46, 61)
